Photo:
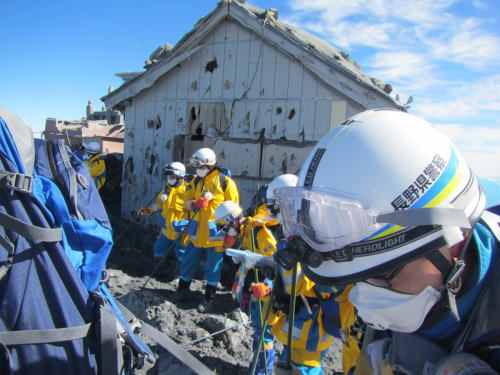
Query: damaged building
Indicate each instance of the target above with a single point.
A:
(259, 92)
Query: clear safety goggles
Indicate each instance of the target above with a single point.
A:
(327, 219)
(197, 163)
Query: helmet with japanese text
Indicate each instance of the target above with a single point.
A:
(204, 156)
(378, 191)
(175, 169)
(91, 147)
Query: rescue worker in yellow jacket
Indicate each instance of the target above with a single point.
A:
(210, 187)
(93, 159)
(256, 236)
(171, 204)
(310, 339)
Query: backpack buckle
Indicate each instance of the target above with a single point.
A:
(17, 181)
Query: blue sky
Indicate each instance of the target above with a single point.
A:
(58, 54)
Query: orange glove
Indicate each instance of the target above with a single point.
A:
(229, 241)
(201, 203)
(235, 287)
(260, 290)
(144, 211)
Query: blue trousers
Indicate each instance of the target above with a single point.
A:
(191, 263)
(268, 341)
(164, 244)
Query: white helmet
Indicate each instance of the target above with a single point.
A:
(280, 181)
(226, 212)
(380, 190)
(92, 147)
(175, 168)
(204, 156)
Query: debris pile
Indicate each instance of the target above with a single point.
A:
(228, 352)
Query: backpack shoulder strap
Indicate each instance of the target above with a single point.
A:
(223, 180)
(53, 150)
(492, 221)
(196, 181)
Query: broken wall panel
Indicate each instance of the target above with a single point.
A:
(242, 62)
(281, 75)
(295, 79)
(182, 80)
(268, 71)
(128, 159)
(149, 156)
(241, 158)
(194, 71)
(323, 112)
(219, 35)
(135, 192)
(281, 158)
(353, 108)
(206, 63)
(255, 67)
(339, 111)
(230, 58)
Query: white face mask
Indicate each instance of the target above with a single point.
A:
(382, 308)
(232, 232)
(171, 181)
(201, 172)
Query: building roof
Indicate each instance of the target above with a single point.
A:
(87, 129)
(264, 23)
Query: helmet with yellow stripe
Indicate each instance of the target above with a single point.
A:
(227, 212)
(380, 190)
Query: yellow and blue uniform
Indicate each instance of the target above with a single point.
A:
(202, 229)
(172, 210)
(310, 340)
(265, 244)
(97, 170)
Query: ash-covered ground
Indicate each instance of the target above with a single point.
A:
(129, 267)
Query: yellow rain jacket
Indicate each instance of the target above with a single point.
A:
(97, 170)
(172, 209)
(202, 229)
(309, 336)
(264, 240)
(348, 318)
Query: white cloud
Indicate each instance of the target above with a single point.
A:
(468, 45)
(480, 99)
(478, 145)
(397, 66)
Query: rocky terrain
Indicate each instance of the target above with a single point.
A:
(129, 267)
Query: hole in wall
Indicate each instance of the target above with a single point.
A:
(291, 114)
(279, 110)
(152, 163)
(158, 122)
(211, 65)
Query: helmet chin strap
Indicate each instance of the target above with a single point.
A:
(452, 274)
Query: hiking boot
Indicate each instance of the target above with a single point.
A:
(206, 303)
(182, 291)
(205, 306)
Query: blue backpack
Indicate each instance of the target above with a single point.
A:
(56, 315)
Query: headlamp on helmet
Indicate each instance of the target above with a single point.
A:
(226, 213)
(175, 169)
(204, 156)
